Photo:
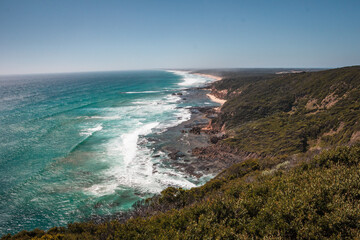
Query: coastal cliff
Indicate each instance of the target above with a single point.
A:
(286, 151)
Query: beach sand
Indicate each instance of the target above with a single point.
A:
(215, 99)
(217, 78)
(211, 96)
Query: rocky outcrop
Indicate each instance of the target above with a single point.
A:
(225, 94)
(214, 158)
(195, 130)
(222, 94)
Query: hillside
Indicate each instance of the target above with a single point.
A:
(291, 113)
(294, 138)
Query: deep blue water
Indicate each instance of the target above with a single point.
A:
(72, 145)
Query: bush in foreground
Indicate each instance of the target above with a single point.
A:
(319, 199)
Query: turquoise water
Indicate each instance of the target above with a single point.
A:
(73, 145)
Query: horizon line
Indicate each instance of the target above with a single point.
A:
(164, 69)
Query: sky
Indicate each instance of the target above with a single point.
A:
(45, 36)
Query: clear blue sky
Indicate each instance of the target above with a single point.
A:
(86, 35)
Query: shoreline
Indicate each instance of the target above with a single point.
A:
(179, 144)
(216, 78)
(210, 95)
(216, 99)
(179, 141)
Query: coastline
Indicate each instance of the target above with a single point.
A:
(193, 147)
(208, 156)
(210, 95)
(216, 78)
(216, 99)
(174, 149)
(181, 145)
(179, 141)
(178, 145)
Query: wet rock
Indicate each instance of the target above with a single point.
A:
(195, 130)
(179, 94)
(203, 109)
(180, 154)
(197, 123)
(152, 139)
(212, 116)
(156, 156)
(194, 111)
(176, 155)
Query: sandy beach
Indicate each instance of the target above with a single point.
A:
(217, 78)
(211, 96)
(215, 99)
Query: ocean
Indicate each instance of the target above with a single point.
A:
(75, 145)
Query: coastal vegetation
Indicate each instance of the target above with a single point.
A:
(317, 199)
(303, 183)
(292, 113)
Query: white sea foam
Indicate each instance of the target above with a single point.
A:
(180, 116)
(90, 131)
(172, 98)
(132, 164)
(176, 180)
(142, 92)
(103, 189)
(130, 140)
(148, 102)
(191, 80)
(102, 117)
(129, 155)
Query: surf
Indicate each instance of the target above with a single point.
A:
(85, 149)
